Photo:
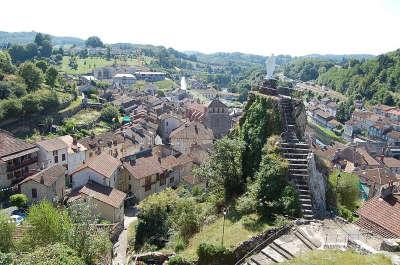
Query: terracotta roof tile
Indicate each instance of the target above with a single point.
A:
(193, 130)
(47, 176)
(103, 164)
(52, 144)
(143, 167)
(11, 145)
(108, 195)
(381, 213)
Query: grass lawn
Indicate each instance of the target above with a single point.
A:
(235, 232)
(326, 135)
(197, 95)
(88, 64)
(337, 257)
(72, 105)
(84, 117)
(166, 84)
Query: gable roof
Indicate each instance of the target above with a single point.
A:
(48, 176)
(192, 130)
(104, 194)
(11, 145)
(216, 103)
(143, 167)
(379, 176)
(104, 164)
(52, 144)
(381, 215)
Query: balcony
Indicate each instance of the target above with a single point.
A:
(21, 164)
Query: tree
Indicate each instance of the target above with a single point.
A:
(153, 221)
(32, 75)
(51, 76)
(6, 231)
(94, 42)
(185, 217)
(47, 225)
(92, 245)
(344, 111)
(19, 200)
(43, 41)
(11, 108)
(53, 254)
(42, 65)
(6, 65)
(345, 188)
(73, 63)
(110, 113)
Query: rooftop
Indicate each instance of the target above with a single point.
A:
(104, 164)
(10, 145)
(47, 176)
(108, 195)
(52, 144)
(143, 167)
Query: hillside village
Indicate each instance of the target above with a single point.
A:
(153, 163)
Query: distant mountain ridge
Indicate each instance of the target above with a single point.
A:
(27, 37)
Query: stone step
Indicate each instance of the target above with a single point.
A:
(299, 175)
(305, 196)
(308, 216)
(304, 191)
(305, 201)
(303, 239)
(297, 161)
(296, 150)
(306, 211)
(314, 242)
(261, 259)
(281, 250)
(273, 255)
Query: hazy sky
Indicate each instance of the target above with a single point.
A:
(295, 27)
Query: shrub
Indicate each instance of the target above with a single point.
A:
(19, 200)
(214, 255)
(180, 244)
(178, 260)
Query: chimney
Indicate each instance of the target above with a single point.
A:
(132, 162)
(381, 158)
(41, 180)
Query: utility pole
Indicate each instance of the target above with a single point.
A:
(223, 226)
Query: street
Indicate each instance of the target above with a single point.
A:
(122, 245)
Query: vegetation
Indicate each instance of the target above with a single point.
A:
(19, 200)
(213, 255)
(56, 236)
(110, 113)
(94, 42)
(337, 257)
(343, 193)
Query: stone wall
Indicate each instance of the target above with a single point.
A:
(300, 117)
(317, 185)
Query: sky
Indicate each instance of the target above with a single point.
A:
(295, 27)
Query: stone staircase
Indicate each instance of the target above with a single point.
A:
(296, 152)
(286, 248)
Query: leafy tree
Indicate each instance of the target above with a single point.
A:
(345, 189)
(6, 65)
(47, 225)
(185, 217)
(6, 231)
(153, 222)
(11, 108)
(19, 200)
(92, 245)
(53, 254)
(51, 76)
(43, 41)
(42, 65)
(94, 42)
(344, 111)
(73, 63)
(32, 75)
(110, 113)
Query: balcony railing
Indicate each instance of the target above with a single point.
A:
(22, 163)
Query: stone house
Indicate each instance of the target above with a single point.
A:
(332, 107)
(391, 163)
(124, 80)
(48, 184)
(183, 137)
(382, 110)
(18, 159)
(373, 181)
(322, 117)
(52, 152)
(76, 152)
(168, 123)
(108, 202)
(103, 169)
(392, 138)
(150, 76)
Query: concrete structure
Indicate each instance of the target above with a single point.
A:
(18, 159)
(102, 169)
(48, 184)
(150, 76)
(52, 152)
(124, 79)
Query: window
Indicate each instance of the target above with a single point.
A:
(63, 157)
(10, 175)
(162, 180)
(130, 187)
(56, 159)
(171, 180)
(55, 153)
(34, 193)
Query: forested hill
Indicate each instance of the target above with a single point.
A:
(376, 80)
(28, 37)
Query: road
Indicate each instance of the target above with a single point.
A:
(122, 245)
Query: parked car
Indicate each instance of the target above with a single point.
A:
(17, 219)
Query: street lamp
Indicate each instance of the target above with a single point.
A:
(223, 226)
